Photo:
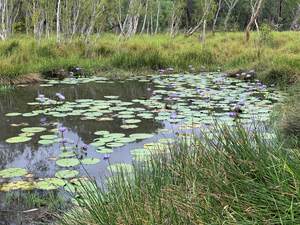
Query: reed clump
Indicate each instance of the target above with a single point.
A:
(233, 176)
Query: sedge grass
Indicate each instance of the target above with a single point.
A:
(234, 177)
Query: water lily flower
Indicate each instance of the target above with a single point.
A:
(62, 129)
(250, 88)
(196, 89)
(169, 69)
(84, 146)
(242, 103)
(219, 67)
(72, 86)
(237, 75)
(160, 70)
(207, 89)
(219, 70)
(63, 140)
(193, 68)
(63, 88)
(58, 72)
(72, 73)
(43, 119)
(248, 75)
(181, 75)
(50, 100)
(243, 74)
(173, 116)
(169, 86)
(190, 66)
(71, 79)
(264, 85)
(154, 93)
(238, 106)
(261, 87)
(275, 92)
(106, 156)
(256, 80)
(62, 97)
(62, 70)
(258, 83)
(42, 100)
(71, 142)
(202, 94)
(231, 100)
(214, 93)
(148, 89)
(248, 82)
(251, 71)
(41, 96)
(203, 67)
(225, 74)
(207, 100)
(272, 85)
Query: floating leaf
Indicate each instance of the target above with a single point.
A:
(66, 154)
(124, 167)
(131, 126)
(48, 136)
(33, 129)
(18, 139)
(50, 183)
(15, 185)
(13, 114)
(141, 151)
(132, 121)
(13, 172)
(90, 161)
(101, 132)
(26, 134)
(114, 135)
(125, 139)
(67, 148)
(66, 173)
(114, 144)
(104, 150)
(141, 136)
(81, 186)
(45, 142)
(67, 162)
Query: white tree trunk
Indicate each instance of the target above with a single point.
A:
(143, 27)
(296, 16)
(157, 17)
(57, 23)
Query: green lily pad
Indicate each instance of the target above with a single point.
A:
(128, 126)
(50, 183)
(67, 148)
(48, 136)
(67, 162)
(33, 129)
(104, 150)
(114, 144)
(114, 135)
(66, 154)
(141, 136)
(132, 121)
(90, 161)
(98, 143)
(125, 139)
(18, 139)
(141, 158)
(29, 114)
(101, 132)
(81, 186)
(26, 134)
(103, 139)
(141, 151)
(13, 172)
(13, 114)
(124, 167)
(45, 142)
(66, 173)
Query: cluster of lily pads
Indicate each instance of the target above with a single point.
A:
(188, 100)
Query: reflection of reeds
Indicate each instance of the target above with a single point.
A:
(226, 175)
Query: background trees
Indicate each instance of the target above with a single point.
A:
(70, 19)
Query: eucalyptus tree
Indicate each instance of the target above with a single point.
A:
(177, 12)
(295, 5)
(253, 19)
(205, 8)
(215, 16)
(231, 4)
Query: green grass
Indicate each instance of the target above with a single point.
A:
(279, 58)
(243, 179)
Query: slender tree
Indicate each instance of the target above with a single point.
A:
(252, 20)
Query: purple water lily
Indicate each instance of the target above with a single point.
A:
(148, 89)
(62, 129)
(173, 116)
(43, 119)
(251, 71)
(261, 87)
(242, 103)
(250, 88)
(41, 96)
(84, 147)
(190, 66)
(272, 85)
(42, 100)
(62, 70)
(231, 100)
(203, 67)
(237, 75)
(207, 89)
(63, 140)
(207, 100)
(106, 156)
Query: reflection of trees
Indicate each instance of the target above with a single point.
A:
(32, 153)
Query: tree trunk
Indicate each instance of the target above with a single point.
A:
(57, 23)
(252, 20)
(157, 17)
(143, 27)
(216, 17)
(296, 16)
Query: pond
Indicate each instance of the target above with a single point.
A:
(48, 129)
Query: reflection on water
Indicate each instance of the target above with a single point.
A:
(40, 159)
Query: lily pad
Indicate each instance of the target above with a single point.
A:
(48, 136)
(90, 161)
(141, 151)
(67, 148)
(104, 150)
(45, 142)
(141, 136)
(13, 114)
(114, 144)
(124, 167)
(66, 154)
(67, 162)
(18, 139)
(15, 185)
(128, 126)
(13, 172)
(132, 121)
(101, 132)
(33, 129)
(50, 183)
(114, 135)
(66, 173)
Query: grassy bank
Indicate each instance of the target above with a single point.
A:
(234, 176)
(276, 59)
